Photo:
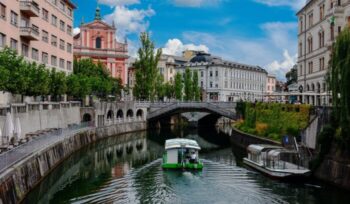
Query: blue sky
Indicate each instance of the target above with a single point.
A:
(257, 32)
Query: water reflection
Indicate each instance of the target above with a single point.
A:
(126, 169)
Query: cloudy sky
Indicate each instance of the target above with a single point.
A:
(257, 32)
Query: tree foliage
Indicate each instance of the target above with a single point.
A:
(178, 86)
(339, 83)
(292, 76)
(196, 89)
(146, 69)
(188, 85)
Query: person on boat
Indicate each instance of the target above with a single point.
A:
(193, 157)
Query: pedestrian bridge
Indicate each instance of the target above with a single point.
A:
(161, 110)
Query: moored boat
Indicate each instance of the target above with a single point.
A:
(181, 154)
(275, 161)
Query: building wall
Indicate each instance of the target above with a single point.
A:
(271, 84)
(37, 27)
(313, 63)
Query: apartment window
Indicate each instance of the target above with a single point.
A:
(54, 2)
(14, 18)
(25, 50)
(309, 41)
(311, 20)
(211, 84)
(216, 73)
(2, 11)
(69, 65)
(211, 73)
(62, 6)
(69, 48)
(53, 60)
(301, 25)
(300, 49)
(339, 2)
(61, 63)
(13, 44)
(62, 44)
(301, 70)
(62, 25)
(321, 12)
(69, 29)
(35, 54)
(311, 64)
(53, 40)
(45, 57)
(45, 14)
(322, 63)
(2, 40)
(321, 39)
(339, 30)
(54, 20)
(70, 12)
(45, 36)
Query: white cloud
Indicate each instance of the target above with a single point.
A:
(275, 50)
(76, 31)
(176, 47)
(113, 3)
(129, 20)
(195, 3)
(294, 4)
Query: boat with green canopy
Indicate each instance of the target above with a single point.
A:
(181, 154)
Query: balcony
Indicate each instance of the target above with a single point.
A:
(29, 33)
(29, 8)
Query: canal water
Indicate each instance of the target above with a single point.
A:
(126, 169)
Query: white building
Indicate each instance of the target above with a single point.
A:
(222, 80)
(320, 21)
(167, 66)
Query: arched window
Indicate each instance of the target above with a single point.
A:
(98, 42)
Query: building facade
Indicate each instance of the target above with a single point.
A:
(222, 80)
(320, 22)
(167, 66)
(271, 84)
(97, 41)
(40, 31)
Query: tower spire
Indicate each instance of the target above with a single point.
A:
(98, 13)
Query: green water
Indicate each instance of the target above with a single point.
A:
(126, 169)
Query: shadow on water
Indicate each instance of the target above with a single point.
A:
(127, 169)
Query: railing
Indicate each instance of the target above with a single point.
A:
(29, 30)
(27, 4)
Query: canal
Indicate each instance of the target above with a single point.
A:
(126, 169)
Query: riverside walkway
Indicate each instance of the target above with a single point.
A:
(13, 156)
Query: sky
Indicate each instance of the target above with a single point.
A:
(256, 32)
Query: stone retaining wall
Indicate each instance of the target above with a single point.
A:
(21, 178)
(243, 140)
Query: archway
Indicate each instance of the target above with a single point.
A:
(110, 114)
(87, 117)
(120, 114)
(129, 113)
(139, 113)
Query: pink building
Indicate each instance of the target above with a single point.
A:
(40, 30)
(96, 40)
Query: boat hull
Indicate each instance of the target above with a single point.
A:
(278, 174)
(194, 166)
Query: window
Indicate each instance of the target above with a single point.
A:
(339, 3)
(45, 57)
(62, 25)
(98, 42)
(300, 49)
(311, 67)
(311, 20)
(53, 60)
(54, 20)
(322, 63)
(216, 73)
(13, 44)
(61, 63)
(45, 36)
(35, 54)
(339, 30)
(211, 84)
(62, 6)
(202, 74)
(2, 11)
(14, 18)
(45, 14)
(321, 12)
(70, 12)
(62, 44)
(301, 25)
(211, 73)
(202, 84)
(54, 2)
(69, 47)
(25, 50)
(69, 65)
(69, 29)
(2, 40)
(321, 39)
(309, 44)
(300, 70)
(53, 40)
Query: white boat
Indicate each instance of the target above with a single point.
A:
(275, 161)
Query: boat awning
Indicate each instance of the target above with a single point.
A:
(181, 143)
(275, 153)
(258, 148)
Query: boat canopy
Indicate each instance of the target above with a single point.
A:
(277, 152)
(181, 143)
(258, 148)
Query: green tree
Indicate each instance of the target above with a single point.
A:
(188, 85)
(195, 87)
(339, 83)
(169, 90)
(4, 78)
(58, 85)
(292, 76)
(178, 87)
(160, 86)
(146, 69)
(39, 80)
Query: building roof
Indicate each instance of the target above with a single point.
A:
(70, 3)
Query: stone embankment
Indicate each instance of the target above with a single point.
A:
(243, 140)
(21, 177)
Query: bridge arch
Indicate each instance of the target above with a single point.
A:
(87, 117)
(120, 113)
(139, 113)
(130, 113)
(110, 114)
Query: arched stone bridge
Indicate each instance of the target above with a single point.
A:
(105, 113)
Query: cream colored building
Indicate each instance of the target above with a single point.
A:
(167, 66)
(40, 30)
(320, 22)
